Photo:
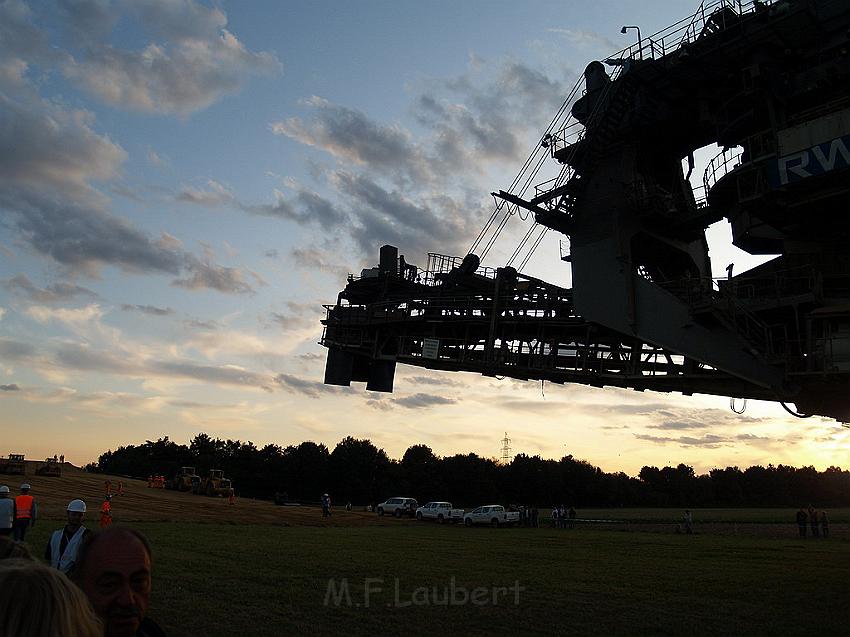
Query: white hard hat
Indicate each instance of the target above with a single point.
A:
(4, 489)
(25, 486)
(77, 506)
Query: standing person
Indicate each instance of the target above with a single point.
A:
(572, 516)
(554, 516)
(813, 521)
(61, 550)
(120, 487)
(107, 487)
(231, 499)
(535, 517)
(106, 512)
(26, 512)
(688, 519)
(326, 505)
(801, 522)
(7, 512)
(62, 459)
(122, 558)
(562, 516)
(824, 524)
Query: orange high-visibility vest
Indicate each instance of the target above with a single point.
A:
(24, 505)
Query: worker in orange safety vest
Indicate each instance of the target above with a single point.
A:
(26, 512)
(106, 513)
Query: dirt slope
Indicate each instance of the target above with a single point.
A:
(141, 503)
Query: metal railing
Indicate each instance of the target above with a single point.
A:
(721, 165)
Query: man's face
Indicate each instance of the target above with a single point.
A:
(117, 580)
(75, 519)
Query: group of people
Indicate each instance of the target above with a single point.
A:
(529, 516)
(563, 517)
(818, 521)
(17, 514)
(97, 582)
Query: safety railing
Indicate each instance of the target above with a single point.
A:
(720, 165)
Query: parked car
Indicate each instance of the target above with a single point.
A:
(492, 514)
(442, 512)
(398, 507)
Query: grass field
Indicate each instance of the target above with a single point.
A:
(270, 580)
(743, 572)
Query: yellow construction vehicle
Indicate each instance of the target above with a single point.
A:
(214, 484)
(50, 468)
(183, 479)
(14, 464)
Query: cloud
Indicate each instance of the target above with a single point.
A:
(83, 357)
(156, 160)
(222, 375)
(432, 380)
(15, 350)
(298, 315)
(52, 293)
(206, 275)
(423, 401)
(148, 309)
(305, 208)
(708, 441)
(215, 195)
(311, 388)
(317, 259)
(193, 61)
(352, 137)
(12, 387)
(588, 40)
(201, 325)
(415, 226)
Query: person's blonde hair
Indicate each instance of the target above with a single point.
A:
(11, 549)
(39, 601)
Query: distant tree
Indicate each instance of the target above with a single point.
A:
(359, 471)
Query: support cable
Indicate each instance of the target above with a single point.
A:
(533, 248)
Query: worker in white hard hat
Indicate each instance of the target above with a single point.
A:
(26, 512)
(7, 511)
(61, 551)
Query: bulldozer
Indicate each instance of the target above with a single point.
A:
(214, 484)
(183, 480)
(13, 465)
(50, 468)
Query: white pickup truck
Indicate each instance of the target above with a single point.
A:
(442, 512)
(492, 514)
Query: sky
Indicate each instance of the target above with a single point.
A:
(183, 185)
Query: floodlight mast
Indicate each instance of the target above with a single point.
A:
(644, 311)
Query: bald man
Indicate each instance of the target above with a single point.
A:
(114, 570)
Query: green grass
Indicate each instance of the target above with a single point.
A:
(730, 516)
(265, 580)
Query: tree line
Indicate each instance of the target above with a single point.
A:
(357, 471)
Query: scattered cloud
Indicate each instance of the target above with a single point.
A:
(148, 309)
(312, 388)
(352, 137)
(197, 324)
(54, 292)
(422, 401)
(589, 40)
(191, 62)
(11, 387)
(206, 275)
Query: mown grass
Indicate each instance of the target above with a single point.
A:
(718, 515)
(271, 580)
